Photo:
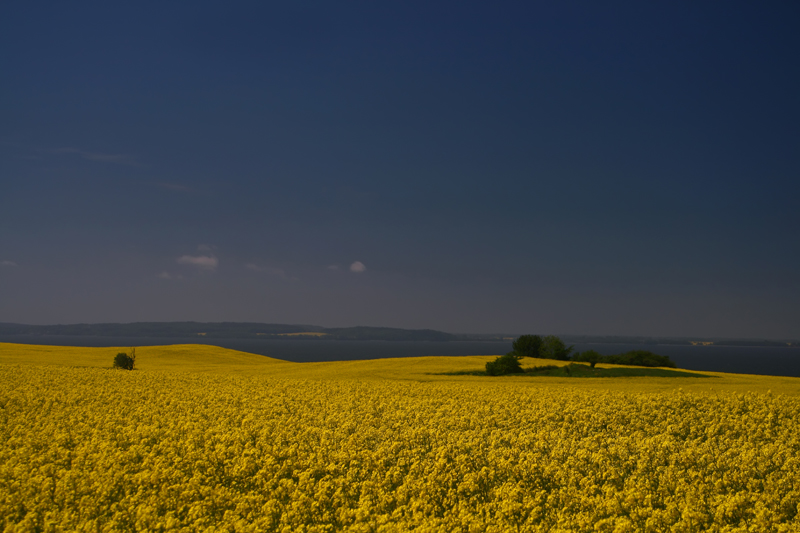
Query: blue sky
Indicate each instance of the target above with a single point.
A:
(625, 168)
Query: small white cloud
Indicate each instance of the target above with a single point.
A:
(8, 263)
(358, 267)
(167, 275)
(333, 267)
(252, 266)
(206, 262)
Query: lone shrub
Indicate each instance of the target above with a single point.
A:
(125, 361)
(505, 364)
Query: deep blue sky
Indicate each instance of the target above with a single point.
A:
(553, 167)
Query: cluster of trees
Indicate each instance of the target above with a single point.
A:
(552, 347)
(632, 358)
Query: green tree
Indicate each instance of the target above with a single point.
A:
(589, 356)
(527, 346)
(554, 348)
(125, 361)
(639, 358)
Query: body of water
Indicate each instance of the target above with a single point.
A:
(766, 360)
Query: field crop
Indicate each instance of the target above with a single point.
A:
(94, 449)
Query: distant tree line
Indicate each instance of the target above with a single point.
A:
(552, 347)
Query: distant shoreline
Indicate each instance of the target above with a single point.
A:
(206, 331)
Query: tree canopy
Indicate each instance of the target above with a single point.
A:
(554, 348)
(527, 346)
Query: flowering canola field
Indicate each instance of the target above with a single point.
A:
(94, 449)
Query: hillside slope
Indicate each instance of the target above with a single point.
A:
(192, 357)
(205, 358)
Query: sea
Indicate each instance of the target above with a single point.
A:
(762, 360)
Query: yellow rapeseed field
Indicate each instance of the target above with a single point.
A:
(206, 439)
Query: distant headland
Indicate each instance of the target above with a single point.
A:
(256, 330)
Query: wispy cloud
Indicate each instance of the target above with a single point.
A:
(205, 262)
(119, 159)
(167, 275)
(358, 267)
(8, 263)
(333, 267)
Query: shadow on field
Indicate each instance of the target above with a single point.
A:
(574, 370)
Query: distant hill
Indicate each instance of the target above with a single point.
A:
(159, 329)
(209, 330)
(389, 334)
(244, 330)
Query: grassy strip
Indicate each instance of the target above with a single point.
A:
(574, 370)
